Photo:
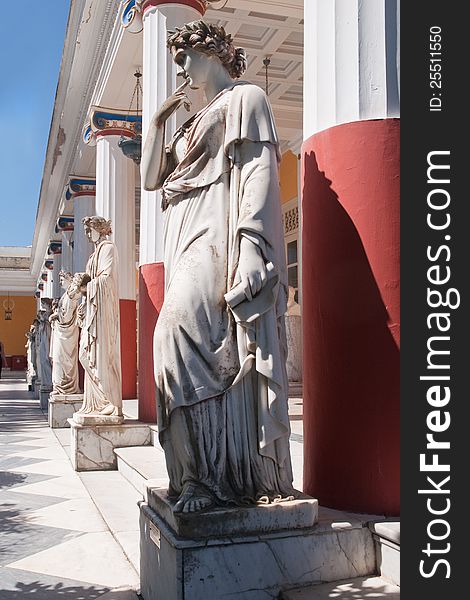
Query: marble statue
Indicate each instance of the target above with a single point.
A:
(99, 352)
(219, 343)
(31, 355)
(294, 338)
(64, 341)
(44, 339)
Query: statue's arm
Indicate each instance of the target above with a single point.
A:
(156, 164)
(258, 213)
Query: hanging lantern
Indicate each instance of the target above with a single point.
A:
(132, 147)
(8, 305)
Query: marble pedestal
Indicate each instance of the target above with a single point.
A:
(62, 407)
(92, 445)
(245, 553)
(44, 393)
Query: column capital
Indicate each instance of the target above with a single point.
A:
(80, 186)
(131, 17)
(199, 5)
(107, 121)
(64, 223)
(54, 247)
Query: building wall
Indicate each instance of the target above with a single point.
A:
(288, 175)
(12, 333)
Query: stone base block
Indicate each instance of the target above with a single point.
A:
(62, 407)
(92, 446)
(218, 522)
(387, 544)
(242, 564)
(44, 394)
(90, 419)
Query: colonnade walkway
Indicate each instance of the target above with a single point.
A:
(75, 536)
(54, 542)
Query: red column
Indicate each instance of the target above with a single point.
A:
(128, 325)
(350, 238)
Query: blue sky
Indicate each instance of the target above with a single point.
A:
(31, 42)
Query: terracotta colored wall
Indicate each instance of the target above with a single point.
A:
(351, 303)
(12, 333)
(151, 293)
(288, 176)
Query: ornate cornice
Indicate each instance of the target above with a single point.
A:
(88, 34)
(106, 121)
(79, 186)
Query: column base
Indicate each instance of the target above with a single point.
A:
(62, 407)
(44, 393)
(281, 540)
(92, 445)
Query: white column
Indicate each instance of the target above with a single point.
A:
(47, 292)
(159, 81)
(54, 276)
(351, 62)
(67, 251)
(83, 206)
(115, 200)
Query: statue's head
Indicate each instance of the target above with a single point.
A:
(65, 279)
(80, 282)
(96, 228)
(198, 44)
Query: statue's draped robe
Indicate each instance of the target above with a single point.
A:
(64, 347)
(220, 374)
(30, 351)
(100, 352)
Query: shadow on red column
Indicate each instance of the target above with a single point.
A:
(151, 292)
(128, 318)
(350, 241)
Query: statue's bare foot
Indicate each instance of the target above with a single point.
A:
(193, 499)
(108, 410)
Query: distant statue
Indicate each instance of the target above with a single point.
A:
(220, 348)
(100, 353)
(31, 355)
(64, 341)
(44, 336)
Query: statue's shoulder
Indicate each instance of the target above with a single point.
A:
(249, 91)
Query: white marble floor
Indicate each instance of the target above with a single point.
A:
(53, 540)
